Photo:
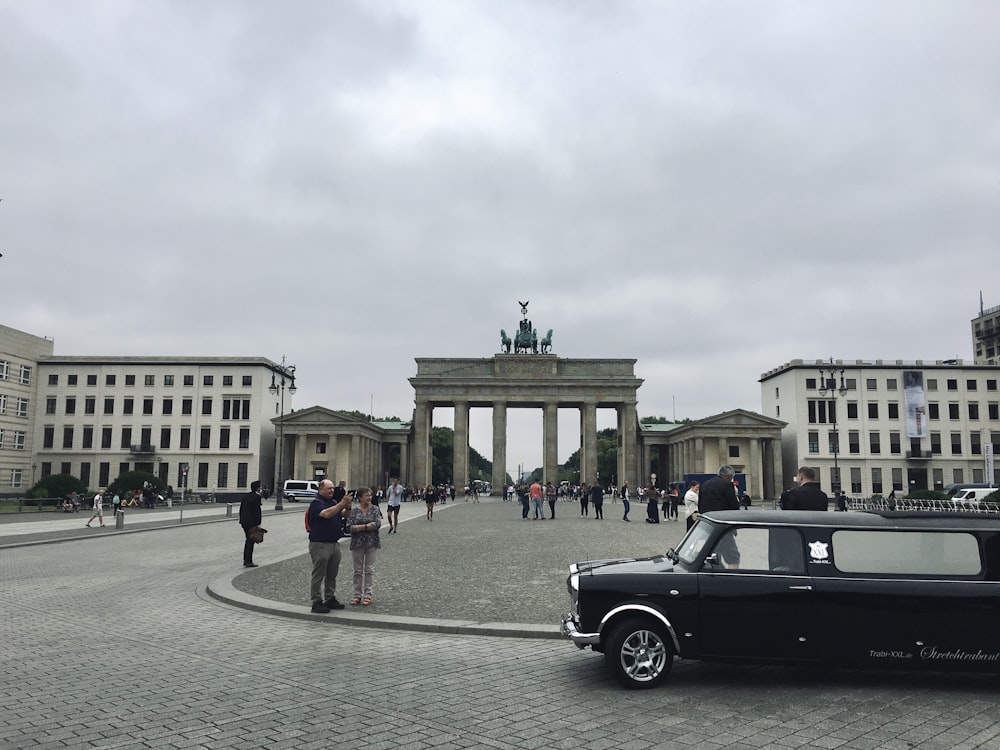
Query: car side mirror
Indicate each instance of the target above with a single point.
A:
(712, 560)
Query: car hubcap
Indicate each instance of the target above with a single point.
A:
(643, 655)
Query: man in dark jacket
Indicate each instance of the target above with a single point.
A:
(250, 517)
(717, 493)
(808, 495)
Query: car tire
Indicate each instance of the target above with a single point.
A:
(639, 653)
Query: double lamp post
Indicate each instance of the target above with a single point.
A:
(828, 383)
(278, 387)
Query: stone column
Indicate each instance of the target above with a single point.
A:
(627, 460)
(404, 464)
(779, 475)
(422, 416)
(550, 439)
(354, 476)
(699, 457)
(499, 478)
(460, 447)
(588, 443)
(723, 451)
(757, 469)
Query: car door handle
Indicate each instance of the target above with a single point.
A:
(800, 588)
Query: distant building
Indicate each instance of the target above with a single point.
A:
(19, 356)
(986, 336)
(899, 425)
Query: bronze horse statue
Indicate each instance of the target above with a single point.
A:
(505, 341)
(546, 343)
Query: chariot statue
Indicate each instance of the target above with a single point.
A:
(526, 337)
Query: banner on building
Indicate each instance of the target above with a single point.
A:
(988, 456)
(913, 401)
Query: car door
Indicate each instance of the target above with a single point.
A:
(755, 597)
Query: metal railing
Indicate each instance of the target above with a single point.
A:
(906, 503)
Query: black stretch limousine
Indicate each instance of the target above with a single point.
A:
(890, 590)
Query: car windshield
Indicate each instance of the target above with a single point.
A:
(694, 542)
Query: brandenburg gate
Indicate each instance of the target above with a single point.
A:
(513, 381)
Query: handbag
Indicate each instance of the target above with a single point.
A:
(257, 534)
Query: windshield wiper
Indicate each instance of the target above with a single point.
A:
(673, 555)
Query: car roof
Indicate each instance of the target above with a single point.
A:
(899, 519)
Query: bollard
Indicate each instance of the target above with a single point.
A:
(229, 510)
(119, 519)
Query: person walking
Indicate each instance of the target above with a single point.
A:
(522, 496)
(597, 498)
(395, 494)
(691, 504)
(98, 508)
(430, 497)
(363, 522)
(674, 500)
(551, 497)
(584, 500)
(326, 527)
(626, 505)
(250, 518)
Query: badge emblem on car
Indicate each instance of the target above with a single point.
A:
(819, 550)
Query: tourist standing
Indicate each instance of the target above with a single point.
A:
(625, 500)
(326, 527)
(691, 504)
(535, 492)
(597, 498)
(250, 518)
(363, 523)
(430, 497)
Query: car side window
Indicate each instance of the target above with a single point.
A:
(759, 550)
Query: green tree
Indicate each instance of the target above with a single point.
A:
(131, 481)
(442, 451)
(58, 485)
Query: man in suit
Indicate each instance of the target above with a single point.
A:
(250, 516)
(808, 495)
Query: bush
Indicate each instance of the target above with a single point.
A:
(928, 495)
(57, 485)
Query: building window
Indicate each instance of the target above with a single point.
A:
(854, 442)
(53, 379)
(70, 405)
(88, 439)
(50, 405)
(168, 381)
(123, 467)
(71, 380)
(871, 384)
(956, 443)
(851, 383)
(203, 475)
(897, 479)
(90, 405)
(936, 443)
(973, 410)
(224, 438)
(185, 438)
(128, 406)
(149, 380)
(248, 381)
(852, 409)
(977, 476)
(103, 473)
(165, 438)
(856, 480)
(208, 380)
(109, 406)
(820, 412)
(874, 442)
(970, 385)
(223, 476)
(206, 406)
(130, 380)
(65, 467)
(168, 406)
(893, 407)
(46, 469)
(109, 380)
(15, 478)
(953, 411)
(810, 384)
(991, 385)
(187, 405)
(993, 410)
(244, 438)
(227, 380)
(91, 380)
(891, 385)
(975, 443)
(48, 437)
(20, 437)
(189, 380)
(814, 442)
(3, 403)
(320, 448)
(873, 410)
(241, 473)
(932, 384)
(22, 407)
(236, 408)
(147, 406)
(106, 439)
(146, 438)
(206, 437)
(67, 438)
(876, 481)
(932, 411)
(952, 384)
(24, 377)
(938, 475)
(5, 370)
(894, 446)
(126, 443)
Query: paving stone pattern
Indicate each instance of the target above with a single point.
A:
(112, 642)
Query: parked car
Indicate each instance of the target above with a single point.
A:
(881, 590)
(299, 489)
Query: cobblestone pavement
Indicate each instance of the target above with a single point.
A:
(112, 642)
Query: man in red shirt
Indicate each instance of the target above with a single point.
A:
(536, 493)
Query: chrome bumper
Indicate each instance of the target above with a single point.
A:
(571, 629)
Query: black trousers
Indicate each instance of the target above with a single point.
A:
(247, 546)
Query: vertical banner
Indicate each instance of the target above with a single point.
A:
(988, 458)
(913, 401)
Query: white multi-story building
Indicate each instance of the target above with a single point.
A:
(886, 425)
(98, 417)
(19, 355)
(986, 336)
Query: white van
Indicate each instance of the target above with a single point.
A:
(971, 496)
(299, 489)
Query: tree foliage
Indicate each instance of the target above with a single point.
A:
(58, 485)
(442, 451)
(131, 481)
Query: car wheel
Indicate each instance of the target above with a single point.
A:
(639, 653)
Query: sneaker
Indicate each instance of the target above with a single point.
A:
(320, 608)
(249, 565)
(332, 603)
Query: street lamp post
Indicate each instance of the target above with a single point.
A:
(828, 382)
(278, 387)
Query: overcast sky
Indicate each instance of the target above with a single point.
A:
(711, 188)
